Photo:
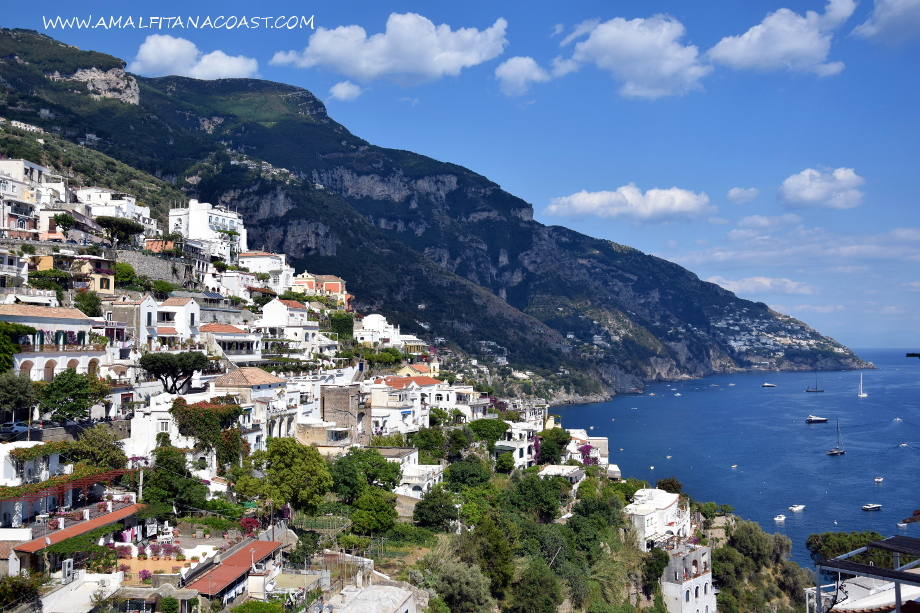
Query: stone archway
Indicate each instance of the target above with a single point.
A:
(74, 364)
(93, 366)
(50, 365)
(26, 368)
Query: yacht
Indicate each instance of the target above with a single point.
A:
(902, 524)
(780, 517)
(872, 507)
(797, 507)
(879, 479)
(767, 385)
(814, 419)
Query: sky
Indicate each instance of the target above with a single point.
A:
(770, 146)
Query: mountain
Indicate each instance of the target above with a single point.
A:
(439, 248)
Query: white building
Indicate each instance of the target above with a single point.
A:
(237, 344)
(280, 275)
(686, 584)
(179, 318)
(219, 229)
(417, 479)
(104, 202)
(657, 517)
(518, 440)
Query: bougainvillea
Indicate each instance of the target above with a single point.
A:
(586, 459)
(24, 454)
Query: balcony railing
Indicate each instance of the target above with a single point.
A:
(61, 348)
(7, 269)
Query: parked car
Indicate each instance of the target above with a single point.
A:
(12, 430)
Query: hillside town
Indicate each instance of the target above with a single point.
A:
(191, 424)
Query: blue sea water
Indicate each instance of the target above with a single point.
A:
(780, 459)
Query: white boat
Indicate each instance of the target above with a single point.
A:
(797, 507)
(902, 524)
(677, 394)
(814, 419)
(879, 479)
(872, 507)
(780, 517)
(730, 384)
(861, 393)
(767, 385)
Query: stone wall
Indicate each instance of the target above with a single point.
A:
(121, 428)
(153, 267)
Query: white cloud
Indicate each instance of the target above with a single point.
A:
(849, 270)
(629, 201)
(760, 221)
(891, 310)
(412, 50)
(644, 54)
(161, 54)
(557, 29)
(742, 195)
(913, 286)
(833, 190)
(345, 91)
(892, 21)
(906, 234)
(786, 40)
(517, 74)
(764, 285)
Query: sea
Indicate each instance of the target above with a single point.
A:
(729, 440)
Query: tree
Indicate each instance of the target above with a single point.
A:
(88, 302)
(293, 473)
(827, 545)
(552, 443)
(162, 288)
(99, 447)
(752, 542)
(436, 509)
(16, 393)
(174, 370)
(171, 482)
(376, 511)
(255, 606)
(359, 469)
(119, 228)
(342, 324)
(670, 484)
(168, 604)
(538, 590)
(70, 395)
(10, 335)
(65, 222)
(505, 462)
(464, 588)
(124, 274)
(489, 430)
(488, 546)
(430, 440)
(655, 562)
(468, 472)
(535, 495)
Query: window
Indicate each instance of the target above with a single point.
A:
(706, 588)
(687, 596)
(103, 284)
(192, 320)
(163, 425)
(149, 318)
(696, 593)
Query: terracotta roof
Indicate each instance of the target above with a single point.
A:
(329, 279)
(82, 528)
(293, 304)
(264, 290)
(166, 331)
(225, 328)
(420, 367)
(27, 310)
(401, 382)
(246, 377)
(7, 546)
(175, 302)
(250, 254)
(233, 568)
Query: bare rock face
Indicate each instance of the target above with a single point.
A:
(112, 83)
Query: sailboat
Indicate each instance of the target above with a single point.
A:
(861, 393)
(815, 388)
(838, 450)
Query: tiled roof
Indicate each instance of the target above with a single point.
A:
(292, 304)
(250, 254)
(81, 528)
(401, 382)
(329, 279)
(175, 301)
(420, 367)
(264, 290)
(166, 331)
(28, 310)
(218, 328)
(233, 568)
(243, 377)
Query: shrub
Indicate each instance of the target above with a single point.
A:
(124, 568)
(144, 575)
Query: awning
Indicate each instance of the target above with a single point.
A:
(409, 412)
(166, 331)
(35, 299)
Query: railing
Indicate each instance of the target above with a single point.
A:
(6, 268)
(27, 291)
(61, 348)
(240, 352)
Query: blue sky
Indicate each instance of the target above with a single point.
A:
(769, 146)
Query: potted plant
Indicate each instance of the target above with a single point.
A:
(195, 558)
(54, 524)
(180, 557)
(207, 534)
(145, 575)
(155, 551)
(101, 506)
(175, 569)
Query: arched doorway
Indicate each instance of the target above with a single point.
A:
(50, 365)
(26, 368)
(361, 417)
(74, 364)
(93, 366)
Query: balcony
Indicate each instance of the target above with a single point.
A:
(61, 348)
(6, 269)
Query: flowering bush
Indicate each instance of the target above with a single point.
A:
(124, 568)
(123, 552)
(155, 549)
(54, 524)
(249, 525)
(144, 575)
(175, 569)
(141, 551)
(102, 506)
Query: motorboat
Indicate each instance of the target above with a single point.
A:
(677, 394)
(879, 479)
(797, 507)
(734, 466)
(814, 419)
(902, 524)
(872, 507)
(767, 385)
(780, 517)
